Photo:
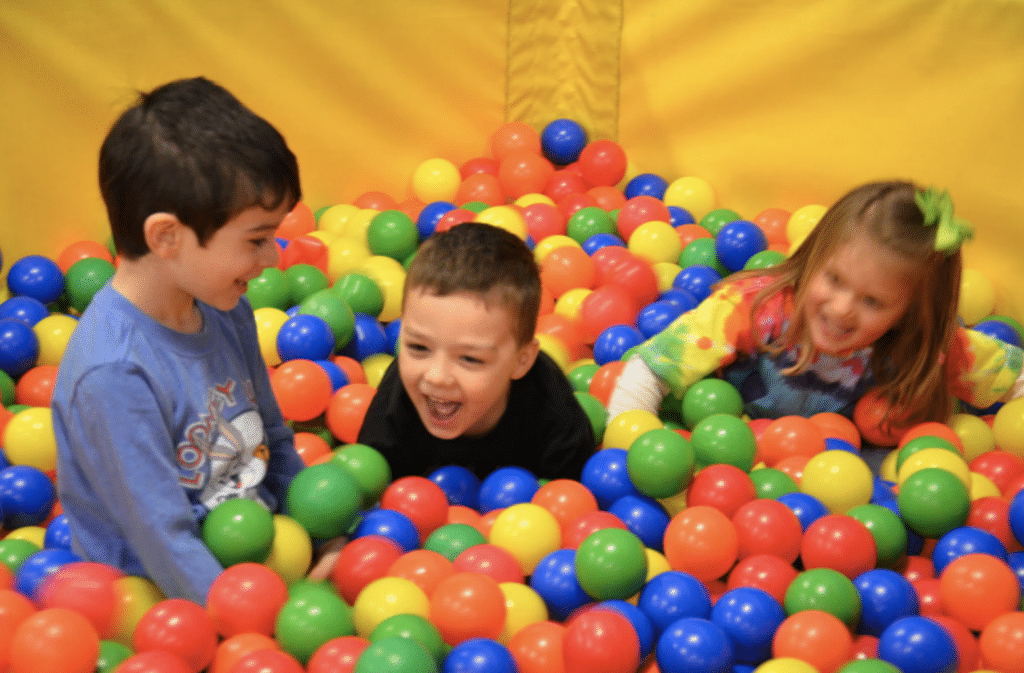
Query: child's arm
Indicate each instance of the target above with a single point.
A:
(983, 370)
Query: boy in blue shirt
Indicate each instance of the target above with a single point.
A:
(162, 407)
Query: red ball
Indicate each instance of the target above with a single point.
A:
(608, 198)
(478, 165)
(482, 187)
(637, 277)
(1001, 467)
(302, 388)
(918, 567)
(154, 661)
(605, 306)
(790, 436)
(762, 571)
(588, 523)
(772, 222)
(423, 567)
(454, 217)
(467, 605)
(305, 250)
(87, 588)
(54, 640)
(375, 200)
(347, 409)
(766, 526)
(839, 542)
(723, 486)
(607, 258)
(967, 650)
(992, 514)
(564, 182)
(640, 210)
(869, 415)
(298, 222)
(338, 655)
(601, 641)
(837, 426)
(604, 380)
(524, 172)
(362, 561)
(180, 627)
(246, 598)
(543, 220)
(491, 560)
(570, 203)
(267, 661)
(567, 331)
(35, 387)
(514, 137)
(602, 162)
(928, 596)
(932, 429)
(311, 447)
(421, 500)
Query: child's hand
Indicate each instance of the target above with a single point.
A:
(327, 556)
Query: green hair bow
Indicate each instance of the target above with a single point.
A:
(950, 231)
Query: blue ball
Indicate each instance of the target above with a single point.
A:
(459, 484)
(562, 140)
(656, 316)
(391, 331)
(962, 541)
(1016, 562)
(479, 655)
(681, 298)
(673, 595)
(998, 329)
(694, 645)
(1015, 515)
(749, 617)
(337, 375)
(306, 337)
(595, 242)
(807, 508)
(614, 341)
(27, 496)
(737, 242)
(368, 338)
(697, 279)
(680, 216)
(885, 596)
(918, 645)
(554, 580)
(38, 567)
(641, 624)
(430, 215)
(507, 486)
(58, 533)
(881, 490)
(19, 347)
(646, 184)
(36, 276)
(390, 524)
(606, 476)
(836, 444)
(28, 310)
(644, 517)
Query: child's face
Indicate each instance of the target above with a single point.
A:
(219, 272)
(457, 359)
(857, 295)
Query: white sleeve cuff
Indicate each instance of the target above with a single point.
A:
(637, 388)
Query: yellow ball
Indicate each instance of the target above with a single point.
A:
(436, 180)
(375, 366)
(269, 321)
(623, 430)
(800, 224)
(532, 198)
(358, 223)
(841, 480)
(785, 665)
(975, 434)
(335, 218)
(569, 303)
(34, 534)
(983, 487)
(523, 606)
(977, 296)
(655, 241)
(54, 332)
(389, 274)
(387, 597)
(133, 597)
(29, 439)
(528, 532)
(556, 350)
(1008, 427)
(665, 272)
(674, 504)
(292, 550)
(656, 562)
(505, 217)
(325, 237)
(345, 254)
(940, 458)
(691, 193)
(549, 243)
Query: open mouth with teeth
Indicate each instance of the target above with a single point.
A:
(442, 410)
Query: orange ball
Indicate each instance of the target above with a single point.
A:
(14, 609)
(303, 389)
(480, 187)
(375, 201)
(300, 220)
(815, 636)
(54, 640)
(977, 588)
(604, 380)
(566, 499)
(311, 447)
(353, 368)
(608, 198)
(347, 409)
(231, 650)
(702, 541)
(869, 414)
(1002, 643)
(566, 330)
(514, 137)
(772, 222)
(837, 426)
(790, 436)
(524, 172)
(423, 567)
(81, 250)
(537, 648)
(35, 387)
(467, 605)
(933, 429)
(689, 233)
(565, 268)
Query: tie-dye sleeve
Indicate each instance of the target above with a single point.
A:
(983, 370)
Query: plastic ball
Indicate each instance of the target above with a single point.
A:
(1008, 427)
(479, 655)
(788, 436)
(769, 573)
(19, 347)
(368, 467)
(749, 617)
(384, 598)
(180, 627)
(27, 496)
(737, 242)
(604, 306)
(693, 644)
(82, 250)
(467, 605)
(246, 598)
(888, 531)
(435, 180)
(933, 502)
(977, 296)
(673, 595)
(691, 193)
(801, 222)
(420, 499)
(702, 541)
(390, 524)
(724, 438)
(423, 567)
(710, 396)
(601, 641)
(697, 279)
(238, 531)
(53, 333)
(451, 539)
(36, 276)
(602, 162)
(611, 564)
(431, 213)
(361, 561)
(537, 648)
(28, 310)
(816, 637)
(305, 336)
(543, 220)
(153, 661)
(885, 596)
(827, 590)
(460, 485)
(660, 463)
(613, 342)
(765, 259)
(54, 640)
(84, 279)
(347, 409)
(562, 140)
(917, 645)
(643, 516)
(528, 532)
(976, 588)
(523, 172)
(338, 655)
(397, 655)
(324, 499)
(722, 486)
(839, 479)
(1002, 643)
(839, 542)
(701, 251)
(655, 241)
(606, 475)
(507, 486)
(566, 268)
(112, 653)
(962, 541)
(411, 627)
(766, 526)
(487, 559)
(85, 587)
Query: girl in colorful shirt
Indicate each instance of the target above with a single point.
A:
(867, 301)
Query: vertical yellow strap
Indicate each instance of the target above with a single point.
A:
(563, 62)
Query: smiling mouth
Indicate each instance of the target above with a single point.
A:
(442, 410)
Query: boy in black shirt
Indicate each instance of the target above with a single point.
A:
(470, 386)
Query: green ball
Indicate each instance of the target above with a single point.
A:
(889, 532)
(395, 655)
(710, 396)
(827, 590)
(660, 463)
(765, 259)
(239, 531)
(334, 311)
(933, 502)
(452, 539)
(309, 619)
(368, 467)
(393, 234)
(360, 292)
(112, 653)
(702, 251)
(718, 218)
(581, 376)
(596, 413)
(84, 278)
(671, 409)
(588, 221)
(269, 290)
(414, 628)
(324, 499)
(14, 551)
(7, 389)
(611, 564)
(723, 438)
(868, 666)
(475, 206)
(304, 280)
(770, 483)
(920, 444)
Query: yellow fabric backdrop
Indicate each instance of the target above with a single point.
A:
(774, 103)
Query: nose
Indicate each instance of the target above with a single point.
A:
(438, 372)
(842, 304)
(268, 254)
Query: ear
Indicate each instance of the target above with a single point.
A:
(525, 357)
(163, 233)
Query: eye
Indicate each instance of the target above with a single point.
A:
(414, 347)
(259, 242)
(873, 302)
(472, 360)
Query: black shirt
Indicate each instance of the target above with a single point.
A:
(544, 429)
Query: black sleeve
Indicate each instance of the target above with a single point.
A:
(384, 428)
(567, 437)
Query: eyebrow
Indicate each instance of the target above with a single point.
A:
(468, 345)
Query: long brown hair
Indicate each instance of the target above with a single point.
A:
(908, 360)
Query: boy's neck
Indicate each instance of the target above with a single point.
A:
(151, 289)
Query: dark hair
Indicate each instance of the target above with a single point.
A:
(191, 149)
(477, 257)
(907, 361)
